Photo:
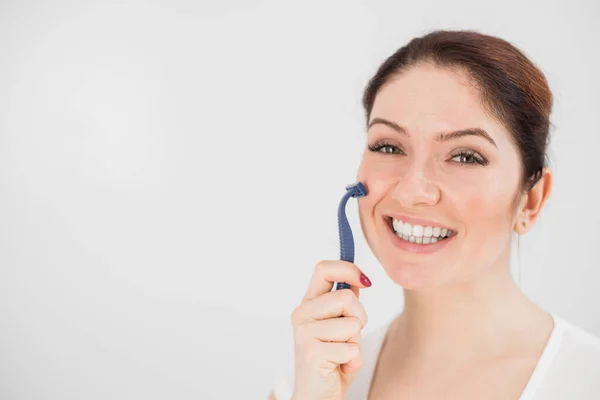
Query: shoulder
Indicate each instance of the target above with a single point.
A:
(577, 341)
(574, 369)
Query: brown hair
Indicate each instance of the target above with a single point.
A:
(511, 87)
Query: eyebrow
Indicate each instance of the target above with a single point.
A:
(442, 137)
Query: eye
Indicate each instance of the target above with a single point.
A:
(389, 148)
(469, 157)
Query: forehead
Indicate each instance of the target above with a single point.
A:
(431, 99)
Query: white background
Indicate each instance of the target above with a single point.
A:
(170, 173)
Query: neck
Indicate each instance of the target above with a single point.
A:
(485, 316)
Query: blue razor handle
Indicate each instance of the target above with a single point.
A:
(346, 240)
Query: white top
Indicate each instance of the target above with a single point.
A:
(569, 367)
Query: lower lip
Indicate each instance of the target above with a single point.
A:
(416, 247)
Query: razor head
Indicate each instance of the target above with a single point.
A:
(358, 189)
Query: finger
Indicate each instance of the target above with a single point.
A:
(346, 329)
(352, 366)
(336, 353)
(327, 272)
(334, 304)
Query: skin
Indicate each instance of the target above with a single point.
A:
(461, 303)
(462, 308)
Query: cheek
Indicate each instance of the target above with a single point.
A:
(377, 175)
(484, 204)
(378, 180)
(470, 196)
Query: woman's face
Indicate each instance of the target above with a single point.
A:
(428, 178)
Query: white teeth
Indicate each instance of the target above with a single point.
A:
(418, 233)
(428, 231)
(417, 230)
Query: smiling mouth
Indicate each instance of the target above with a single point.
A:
(419, 234)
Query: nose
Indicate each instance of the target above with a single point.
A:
(416, 187)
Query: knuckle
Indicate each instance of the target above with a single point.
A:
(347, 297)
(363, 317)
(354, 350)
(321, 267)
(295, 315)
(356, 325)
(302, 333)
(360, 311)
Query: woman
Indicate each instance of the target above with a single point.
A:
(454, 164)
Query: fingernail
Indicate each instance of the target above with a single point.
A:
(364, 280)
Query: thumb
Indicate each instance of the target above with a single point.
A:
(350, 369)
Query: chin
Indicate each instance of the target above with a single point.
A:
(412, 276)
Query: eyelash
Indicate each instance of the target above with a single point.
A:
(469, 154)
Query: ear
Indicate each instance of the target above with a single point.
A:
(531, 204)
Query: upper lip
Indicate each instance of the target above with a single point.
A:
(419, 221)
